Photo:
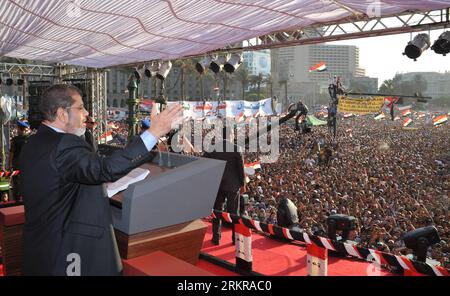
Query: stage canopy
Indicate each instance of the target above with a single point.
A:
(99, 33)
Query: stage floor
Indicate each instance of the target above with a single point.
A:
(275, 258)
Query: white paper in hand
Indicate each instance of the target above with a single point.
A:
(134, 176)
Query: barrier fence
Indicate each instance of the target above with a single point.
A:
(244, 253)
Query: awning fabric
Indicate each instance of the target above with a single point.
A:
(100, 33)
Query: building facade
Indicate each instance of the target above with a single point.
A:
(257, 62)
(438, 84)
(290, 65)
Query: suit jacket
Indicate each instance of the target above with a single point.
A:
(66, 209)
(233, 176)
(90, 139)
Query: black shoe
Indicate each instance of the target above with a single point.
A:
(215, 242)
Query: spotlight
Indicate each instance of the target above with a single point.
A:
(233, 63)
(164, 70)
(138, 73)
(417, 46)
(340, 222)
(442, 45)
(9, 81)
(147, 72)
(420, 239)
(203, 65)
(217, 63)
(20, 81)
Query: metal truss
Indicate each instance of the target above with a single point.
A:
(357, 27)
(99, 101)
(27, 69)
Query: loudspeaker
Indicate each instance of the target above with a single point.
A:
(35, 90)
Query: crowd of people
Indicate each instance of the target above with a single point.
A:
(391, 179)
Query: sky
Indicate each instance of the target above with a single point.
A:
(382, 56)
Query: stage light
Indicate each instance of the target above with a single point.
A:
(20, 81)
(203, 65)
(164, 70)
(218, 62)
(233, 63)
(420, 239)
(148, 71)
(442, 45)
(9, 81)
(339, 222)
(417, 46)
(138, 73)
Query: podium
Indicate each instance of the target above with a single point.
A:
(162, 212)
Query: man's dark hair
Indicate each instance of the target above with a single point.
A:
(57, 96)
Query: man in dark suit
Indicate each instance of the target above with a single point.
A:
(89, 134)
(68, 225)
(232, 180)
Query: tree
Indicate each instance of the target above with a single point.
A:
(185, 67)
(256, 80)
(387, 87)
(399, 86)
(269, 81)
(242, 76)
(359, 87)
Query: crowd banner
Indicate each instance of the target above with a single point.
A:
(265, 107)
(251, 108)
(360, 106)
(211, 109)
(234, 108)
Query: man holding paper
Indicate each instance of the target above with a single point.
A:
(68, 226)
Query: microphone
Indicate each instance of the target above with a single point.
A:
(161, 162)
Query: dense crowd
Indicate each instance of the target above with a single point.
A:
(391, 179)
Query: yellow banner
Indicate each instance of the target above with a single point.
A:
(360, 106)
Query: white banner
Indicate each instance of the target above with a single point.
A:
(251, 108)
(265, 107)
(200, 109)
(234, 108)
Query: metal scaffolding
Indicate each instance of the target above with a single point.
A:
(94, 82)
(354, 28)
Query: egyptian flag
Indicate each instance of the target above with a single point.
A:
(440, 120)
(240, 117)
(254, 165)
(408, 121)
(320, 67)
(406, 112)
(106, 137)
(250, 168)
(388, 102)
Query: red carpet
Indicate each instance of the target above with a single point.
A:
(271, 257)
(217, 270)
